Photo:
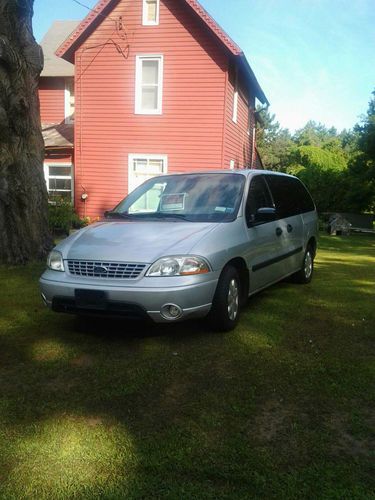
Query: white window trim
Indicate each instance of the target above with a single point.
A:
(67, 107)
(235, 99)
(232, 164)
(138, 83)
(235, 106)
(144, 156)
(145, 22)
(46, 166)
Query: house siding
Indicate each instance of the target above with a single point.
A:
(189, 130)
(238, 143)
(52, 99)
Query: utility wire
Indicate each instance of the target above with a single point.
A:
(95, 11)
(121, 33)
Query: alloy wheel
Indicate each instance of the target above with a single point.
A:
(233, 299)
(308, 264)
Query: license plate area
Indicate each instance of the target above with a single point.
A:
(91, 299)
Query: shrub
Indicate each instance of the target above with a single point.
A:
(62, 217)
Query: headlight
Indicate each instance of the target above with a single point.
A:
(178, 266)
(55, 261)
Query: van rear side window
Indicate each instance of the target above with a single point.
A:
(290, 196)
(303, 197)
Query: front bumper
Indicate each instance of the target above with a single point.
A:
(144, 298)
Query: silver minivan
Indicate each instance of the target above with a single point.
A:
(187, 246)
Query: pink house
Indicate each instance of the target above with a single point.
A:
(159, 87)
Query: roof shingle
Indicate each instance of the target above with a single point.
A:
(55, 36)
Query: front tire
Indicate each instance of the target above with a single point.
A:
(305, 274)
(225, 310)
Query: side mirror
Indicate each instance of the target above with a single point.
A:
(265, 214)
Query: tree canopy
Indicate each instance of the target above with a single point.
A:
(338, 168)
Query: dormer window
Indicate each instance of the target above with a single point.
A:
(150, 12)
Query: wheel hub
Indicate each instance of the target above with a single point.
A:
(233, 299)
(308, 265)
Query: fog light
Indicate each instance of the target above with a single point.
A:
(171, 311)
(44, 298)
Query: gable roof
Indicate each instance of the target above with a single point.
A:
(103, 8)
(85, 28)
(53, 65)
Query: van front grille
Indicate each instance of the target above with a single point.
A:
(109, 270)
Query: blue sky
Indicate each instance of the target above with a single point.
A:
(315, 59)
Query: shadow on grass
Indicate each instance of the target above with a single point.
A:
(280, 408)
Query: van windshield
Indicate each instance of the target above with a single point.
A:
(190, 197)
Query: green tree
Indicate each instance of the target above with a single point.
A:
(338, 168)
(361, 195)
(273, 142)
(324, 173)
(315, 134)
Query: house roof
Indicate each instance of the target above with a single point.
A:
(57, 135)
(103, 7)
(53, 65)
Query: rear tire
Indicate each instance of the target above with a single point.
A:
(225, 310)
(305, 274)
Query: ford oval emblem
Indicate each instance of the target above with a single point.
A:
(100, 270)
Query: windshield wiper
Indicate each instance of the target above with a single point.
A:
(116, 215)
(163, 215)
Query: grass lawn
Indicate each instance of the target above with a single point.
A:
(283, 407)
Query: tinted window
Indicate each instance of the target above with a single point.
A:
(303, 197)
(258, 197)
(290, 196)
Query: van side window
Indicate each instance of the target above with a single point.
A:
(283, 192)
(303, 197)
(290, 196)
(258, 197)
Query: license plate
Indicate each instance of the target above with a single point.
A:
(91, 299)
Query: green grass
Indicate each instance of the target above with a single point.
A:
(283, 407)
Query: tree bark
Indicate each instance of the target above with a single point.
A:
(24, 233)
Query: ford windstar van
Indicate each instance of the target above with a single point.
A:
(187, 246)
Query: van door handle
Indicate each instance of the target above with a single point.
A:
(279, 231)
(289, 228)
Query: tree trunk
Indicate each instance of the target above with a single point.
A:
(24, 233)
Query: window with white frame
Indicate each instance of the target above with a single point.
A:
(145, 166)
(235, 100)
(150, 13)
(59, 180)
(69, 100)
(149, 85)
